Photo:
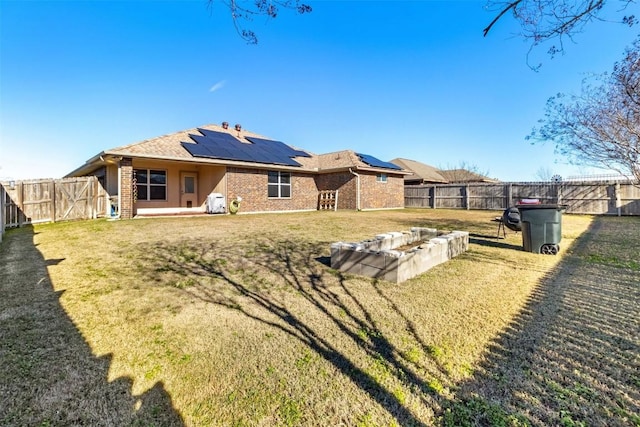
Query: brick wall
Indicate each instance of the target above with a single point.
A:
(373, 194)
(126, 188)
(381, 195)
(345, 183)
(251, 185)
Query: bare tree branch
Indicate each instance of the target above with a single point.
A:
(244, 11)
(497, 18)
(545, 20)
(601, 126)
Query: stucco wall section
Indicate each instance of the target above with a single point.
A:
(210, 179)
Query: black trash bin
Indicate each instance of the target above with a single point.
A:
(541, 228)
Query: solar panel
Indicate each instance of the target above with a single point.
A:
(221, 145)
(218, 136)
(281, 147)
(372, 161)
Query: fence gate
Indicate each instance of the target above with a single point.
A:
(31, 202)
(75, 200)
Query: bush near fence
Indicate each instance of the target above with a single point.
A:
(599, 198)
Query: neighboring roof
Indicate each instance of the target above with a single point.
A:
(463, 175)
(190, 146)
(421, 171)
(349, 159)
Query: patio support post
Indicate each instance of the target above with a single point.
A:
(125, 190)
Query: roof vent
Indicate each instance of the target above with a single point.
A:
(238, 127)
(225, 125)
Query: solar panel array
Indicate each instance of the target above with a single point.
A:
(220, 145)
(377, 163)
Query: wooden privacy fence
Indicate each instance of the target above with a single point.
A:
(31, 202)
(2, 202)
(610, 198)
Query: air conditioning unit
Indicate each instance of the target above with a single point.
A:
(216, 203)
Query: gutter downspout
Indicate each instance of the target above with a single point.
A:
(357, 188)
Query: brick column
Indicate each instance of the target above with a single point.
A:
(126, 188)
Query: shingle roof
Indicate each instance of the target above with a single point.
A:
(346, 159)
(171, 147)
(421, 171)
(464, 175)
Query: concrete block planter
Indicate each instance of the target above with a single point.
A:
(398, 256)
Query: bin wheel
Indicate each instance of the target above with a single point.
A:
(549, 249)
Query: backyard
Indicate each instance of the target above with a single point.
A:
(240, 321)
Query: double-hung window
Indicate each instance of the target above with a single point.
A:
(279, 184)
(381, 177)
(151, 184)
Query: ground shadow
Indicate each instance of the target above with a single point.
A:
(324, 260)
(491, 241)
(571, 357)
(296, 267)
(48, 375)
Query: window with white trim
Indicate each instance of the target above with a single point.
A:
(381, 177)
(279, 185)
(151, 184)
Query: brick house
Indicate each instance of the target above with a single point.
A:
(175, 174)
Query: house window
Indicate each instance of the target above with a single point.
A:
(381, 177)
(279, 185)
(150, 184)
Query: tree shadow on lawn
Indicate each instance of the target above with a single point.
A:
(570, 358)
(48, 375)
(254, 276)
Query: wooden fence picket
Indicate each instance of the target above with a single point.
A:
(599, 198)
(38, 201)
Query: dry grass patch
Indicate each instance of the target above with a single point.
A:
(238, 320)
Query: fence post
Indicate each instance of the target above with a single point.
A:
(52, 196)
(433, 199)
(90, 188)
(509, 195)
(559, 194)
(616, 192)
(19, 206)
(2, 208)
(466, 196)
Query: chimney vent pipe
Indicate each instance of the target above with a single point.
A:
(225, 125)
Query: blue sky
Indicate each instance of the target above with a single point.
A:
(387, 78)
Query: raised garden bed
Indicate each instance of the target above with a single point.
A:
(381, 258)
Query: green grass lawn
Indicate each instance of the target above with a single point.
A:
(239, 320)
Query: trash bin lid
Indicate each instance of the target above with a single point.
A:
(545, 206)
